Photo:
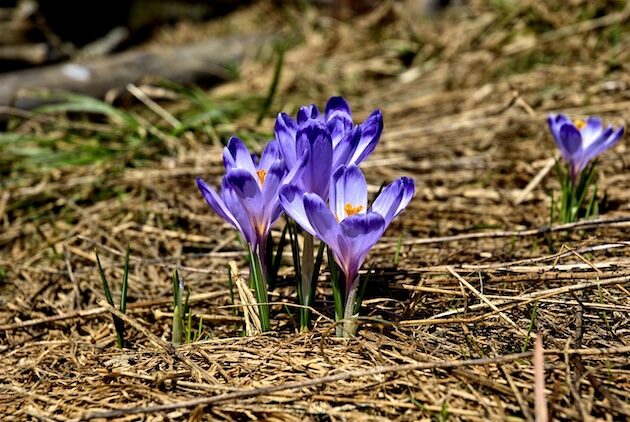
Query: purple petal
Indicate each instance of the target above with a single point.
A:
(321, 220)
(297, 170)
(591, 132)
(394, 198)
(346, 148)
(313, 137)
(247, 191)
(570, 139)
(371, 131)
(271, 153)
(285, 132)
(555, 122)
(607, 140)
(292, 200)
(270, 190)
(236, 155)
(348, 189)
(306, 113)
(360, 233)
(233, 203)
(338, 125)
(216, 202)
(337, 104)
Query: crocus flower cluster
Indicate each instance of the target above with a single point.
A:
(331, 138)
(580, 142)
(310, 171)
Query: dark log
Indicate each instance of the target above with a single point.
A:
(184, 64)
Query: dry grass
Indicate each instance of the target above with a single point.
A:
(449, 329)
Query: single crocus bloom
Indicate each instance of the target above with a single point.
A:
(348, 226)
(351, 144)
(249, 190)
(582, 140)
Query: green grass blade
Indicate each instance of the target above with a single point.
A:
(119, 324)
(125, 283)
(274, 85)
(108, 293)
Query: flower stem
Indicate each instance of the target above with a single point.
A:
(258, 280)
(307, 279)
(350, 322)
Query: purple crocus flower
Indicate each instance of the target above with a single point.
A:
(351, 144)
(348, 226)
(580, 141)
(249, 191)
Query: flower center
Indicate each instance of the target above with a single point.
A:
(262, 173)
(579, 124)
(351, 209)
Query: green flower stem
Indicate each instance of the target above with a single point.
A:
(350, 316)
(259, 283)
(579, 194)
(306, 283)
(337, 289)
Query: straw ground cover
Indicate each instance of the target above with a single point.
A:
(462, 283)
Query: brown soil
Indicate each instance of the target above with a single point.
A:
(448, 329)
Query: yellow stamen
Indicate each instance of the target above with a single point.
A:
(352, 210)
(579, 124)
(262, 173)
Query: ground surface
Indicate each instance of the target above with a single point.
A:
(464, 99)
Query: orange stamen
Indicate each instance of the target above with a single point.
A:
(579, 124)
(262, 173)
(352, 210)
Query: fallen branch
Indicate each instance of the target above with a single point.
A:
(205, 60)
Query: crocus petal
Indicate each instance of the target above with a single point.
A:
(292, 200)
(338, 125)
(306, 113)
(394, 198)
(247, 190)
(313, 137)
(591, 132)
(297, 170)
(285, 132)
(555, 123)
(348, 192)
(607, 140)
(346, 148)
(236, 155)
(232, 202)
(270, 191)
(216, 202)
(360, 234)
(570, 139)
(322, 221)
(271, 153)
(371, 131)
(336, 105)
